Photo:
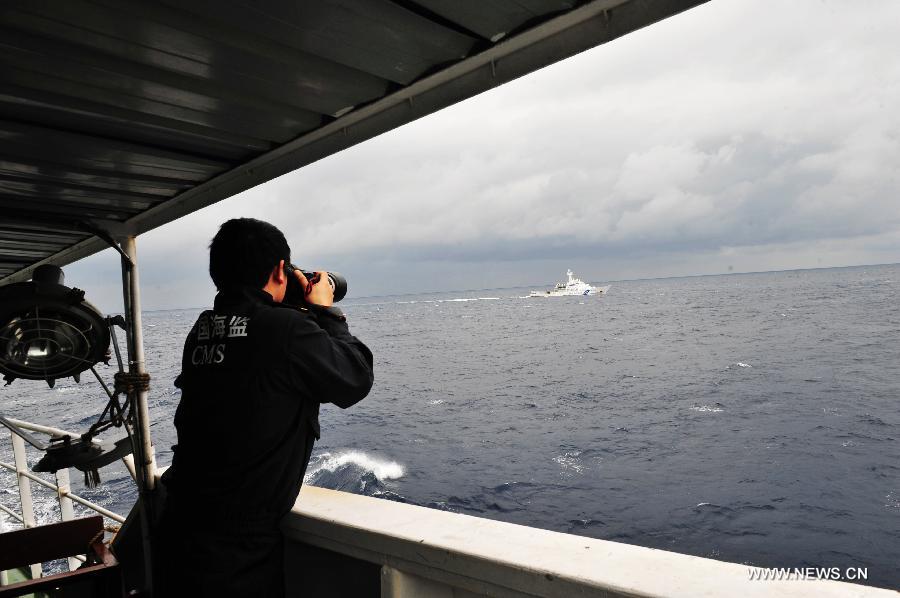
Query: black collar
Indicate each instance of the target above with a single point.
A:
(237, 297)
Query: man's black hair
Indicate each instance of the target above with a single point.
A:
(244, 252)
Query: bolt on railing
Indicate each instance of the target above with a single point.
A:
(63, 490)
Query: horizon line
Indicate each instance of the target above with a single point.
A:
(608, 280)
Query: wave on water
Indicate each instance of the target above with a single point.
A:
(354, 471)
(384, 470)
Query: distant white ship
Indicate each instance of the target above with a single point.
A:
(572, 287)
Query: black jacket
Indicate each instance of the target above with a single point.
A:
(253, 375)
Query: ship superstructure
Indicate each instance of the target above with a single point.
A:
(571, 287)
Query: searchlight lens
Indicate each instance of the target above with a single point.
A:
(40, 348)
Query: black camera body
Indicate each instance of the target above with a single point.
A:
(294, 294)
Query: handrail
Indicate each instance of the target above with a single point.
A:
(68, 493)
(12, 513)
(427, 552)
(64, 494)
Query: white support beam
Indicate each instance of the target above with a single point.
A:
(136, 362)
(144, 461)
(66, 508)
(24, 491)
(4, 578)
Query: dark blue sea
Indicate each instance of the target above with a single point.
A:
(751, 417)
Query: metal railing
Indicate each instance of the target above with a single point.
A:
(333, 539)
(62, 488)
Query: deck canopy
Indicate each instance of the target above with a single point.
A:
(118, 116)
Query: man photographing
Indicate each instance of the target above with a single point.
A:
(254, 372)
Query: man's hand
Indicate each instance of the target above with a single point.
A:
(317, 292)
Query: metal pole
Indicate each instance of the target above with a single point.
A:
(24, 491)
(136, 362)
(128, 460)
(145, 463)
(4, 578)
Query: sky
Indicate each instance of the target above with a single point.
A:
(739, 136)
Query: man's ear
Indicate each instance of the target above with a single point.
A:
(278, 275)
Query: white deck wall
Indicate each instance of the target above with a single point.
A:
(426, 552)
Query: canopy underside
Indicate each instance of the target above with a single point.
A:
(120, 116)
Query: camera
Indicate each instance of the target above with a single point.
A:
(294, 294)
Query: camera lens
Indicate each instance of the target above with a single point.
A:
(338, 283)
(294, 294)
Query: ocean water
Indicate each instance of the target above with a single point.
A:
(750, 418)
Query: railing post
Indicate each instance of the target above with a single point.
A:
(24, 491)
(66, 509)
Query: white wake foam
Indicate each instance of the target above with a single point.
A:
(893, 500)
(570, 461)
(65, 389)
(707, 409)
(454, 300)
(383, 470)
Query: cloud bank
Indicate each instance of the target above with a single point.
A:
(729, 137)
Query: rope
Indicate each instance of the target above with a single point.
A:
(91, 478)
(98, 536)
(127, 383)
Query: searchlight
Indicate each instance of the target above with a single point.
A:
(48, 330)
